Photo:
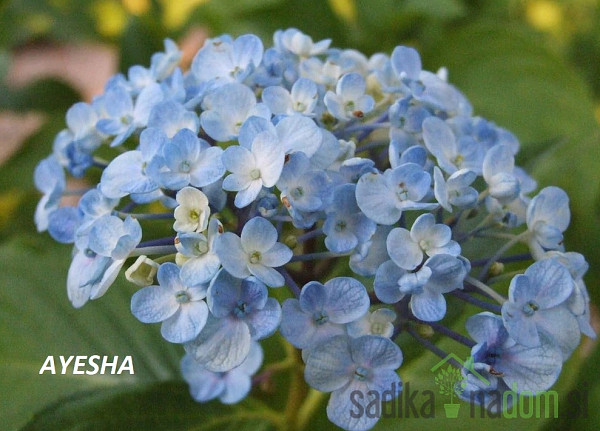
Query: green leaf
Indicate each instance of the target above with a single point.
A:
(47, 95)
(440, 9)
(164, 406)
(38, 321)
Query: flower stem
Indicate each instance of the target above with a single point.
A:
(432, 347)
(144, 216)
(289, 281)
(514, 239)
(504, 276)
(316, 256)
(475, 301)
(159, 249)
(441, 329)
(312, 401)
(485, 289)
(309, 235)
(508, 259)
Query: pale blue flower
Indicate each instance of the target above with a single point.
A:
(179, 307)
(252, 168)
(322, 310)
(407, 249)
(368, 256)
(99, 254)
(304, 187)
(379, 322)
(187, 160)
(226, 60)
(199, 261)
(548, 216)
(170, 117)
(498, 167)
(301, 99)
(342, 365)
(240, 312)
(49, 178)
(349, 100)
(383, 197)
(456, 190)
(579, 301)
(256, 252)
(452, 154)
(229, 387)
(164, 63)
(346, 226)
(226, 108)
(519, 367)
(127, 173)
(123, 115)
(63, 224)
(110, 236)
(295, 42)
(440, 274)
(537, 306)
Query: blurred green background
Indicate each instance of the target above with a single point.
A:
(532, 67)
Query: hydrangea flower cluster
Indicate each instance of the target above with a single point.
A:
(271, 167)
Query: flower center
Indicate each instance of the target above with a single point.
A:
(377, 328)
(297, 193)
(458, 160)
(182, 297)
(89, 253)
(255, 174)
(194, 215)
(202, 247)
(255, 257)
(184, 167)
(320, 318)
(402, 192)
(530, 308)
(340, 225)
(240, 309)
(361, 373)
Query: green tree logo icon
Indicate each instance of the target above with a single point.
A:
(450, 383)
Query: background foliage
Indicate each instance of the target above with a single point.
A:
(530, 66)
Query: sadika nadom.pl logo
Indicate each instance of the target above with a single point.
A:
(450, 383)
(407, 402)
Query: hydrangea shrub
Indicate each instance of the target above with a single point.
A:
(274, 167)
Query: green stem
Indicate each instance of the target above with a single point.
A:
(312, 401)
(486, 289)
(514, 239)
(158, 249)
(167, 258)
(505, 276)
(297, 391)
